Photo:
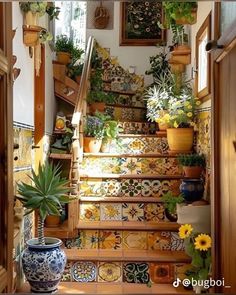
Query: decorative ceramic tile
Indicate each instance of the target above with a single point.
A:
(131, 166)
(177, 244)
(154, 212)
(101, 165)
(109, 272)
(110, 239)
(24, 138)
(135, 240)
(159, 240)
(150, 188)
(130, 187)
(90, 212)
(136, 145)
(136, 273)
(86, 239)
(112, 187)
(161, 273)
(132, 212)
(138, 127)
(111, 211)
(156, 145)
(171, 167)
(66, 277)
(152, 166)
(84, 271)
(180, 270)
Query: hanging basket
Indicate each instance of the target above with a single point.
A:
(101, 17)
(31, 35)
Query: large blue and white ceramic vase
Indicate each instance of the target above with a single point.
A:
(44, 265)
(192, 189)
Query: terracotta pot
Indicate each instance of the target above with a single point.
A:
(97, 106)
(78, 79)
(180, 140)
(92, 145)
(31, 35)
(192, 171)
(52, 221)
(31, 19)
(63, 57)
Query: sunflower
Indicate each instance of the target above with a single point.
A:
(202, 242)
(185, 231)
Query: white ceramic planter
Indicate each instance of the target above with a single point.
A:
(198, 216)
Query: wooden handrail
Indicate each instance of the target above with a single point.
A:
(83, 83)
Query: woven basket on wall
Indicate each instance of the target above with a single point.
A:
(101, 17)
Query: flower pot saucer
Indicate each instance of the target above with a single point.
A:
(176, 152)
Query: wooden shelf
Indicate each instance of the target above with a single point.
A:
(127, 255)
(60, 156)
(121, 199)
(111, 288)
(141, 135)
(119, 155)
(129, 176)
(129, 225)
(61, 232)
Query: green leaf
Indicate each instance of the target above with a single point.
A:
(197, 260)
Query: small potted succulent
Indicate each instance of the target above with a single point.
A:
(43, 260)
(98, 99)
(193, 164)
(93, 134)
(170, 202)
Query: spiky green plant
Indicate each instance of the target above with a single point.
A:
(47, 194)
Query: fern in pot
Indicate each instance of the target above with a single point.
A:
(43, 260)
(170, 203)
(193, 164)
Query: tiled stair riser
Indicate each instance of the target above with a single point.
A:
(130, 272)
(128, 187)
(150, 212)
(138, 127)
(145, 145)
(157, 166)
(126, 113)
(125, 240)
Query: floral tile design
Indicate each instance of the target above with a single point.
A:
(135, 240)
(86, 239)
(171, 167)
(110, 239)
(154, 212)
(109, 272)
(84, 271)
(152, 166)
(127, 114)
(180, 270)
(159, 241)
(177, 244)
(130, 187)
(101, 165)
(138, 127)
(150, 188)
(136, 273)
(161, 273)
(137, 145)
(90, 212)
(131, 166)
(112, 187)
(111, 211)
(66, 277)
(132, 212)
(156, 145)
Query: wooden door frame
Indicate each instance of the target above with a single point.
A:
(6, 150)
(228, 40)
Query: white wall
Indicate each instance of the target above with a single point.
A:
(23, 89)
(127, 55)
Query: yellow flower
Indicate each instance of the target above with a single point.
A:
(189, 114)
(180, 112)
(190, 107)
(176, 125)
(187, 103)
(185, 231)
(198, 103)
(202, 242)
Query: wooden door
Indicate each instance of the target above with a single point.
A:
(224, 168)
(6, 149)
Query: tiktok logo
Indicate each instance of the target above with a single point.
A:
(176, 283)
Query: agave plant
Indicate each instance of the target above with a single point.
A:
(47, 194)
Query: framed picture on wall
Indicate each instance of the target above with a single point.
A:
(203, 64)
(138, 21)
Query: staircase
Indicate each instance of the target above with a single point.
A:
(125, 243)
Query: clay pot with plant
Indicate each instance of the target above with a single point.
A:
(46, 196)
(98, 99)
(193, 164)
(93, 134)
(170, 201)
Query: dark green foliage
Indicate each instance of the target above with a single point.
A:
(170, 201)
(100, 96)
(192, 160)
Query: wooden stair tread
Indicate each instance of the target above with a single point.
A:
(128, 225)
(129, 176)
(141, 135)
(120, 155)
(121, 199)
(60, 156)
(111, 288)
(126, 255)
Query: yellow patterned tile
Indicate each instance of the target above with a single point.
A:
(135, 240)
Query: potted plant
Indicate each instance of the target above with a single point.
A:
(34, 10)
(75, 72)
(193, 164)
(66, 50)
(198, 247)
(43, 260)
(98, 99)
(170, 202)
(93, 134)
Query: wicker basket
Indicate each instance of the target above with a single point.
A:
(101, 17)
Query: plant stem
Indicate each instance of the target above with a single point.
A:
(41, 238)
